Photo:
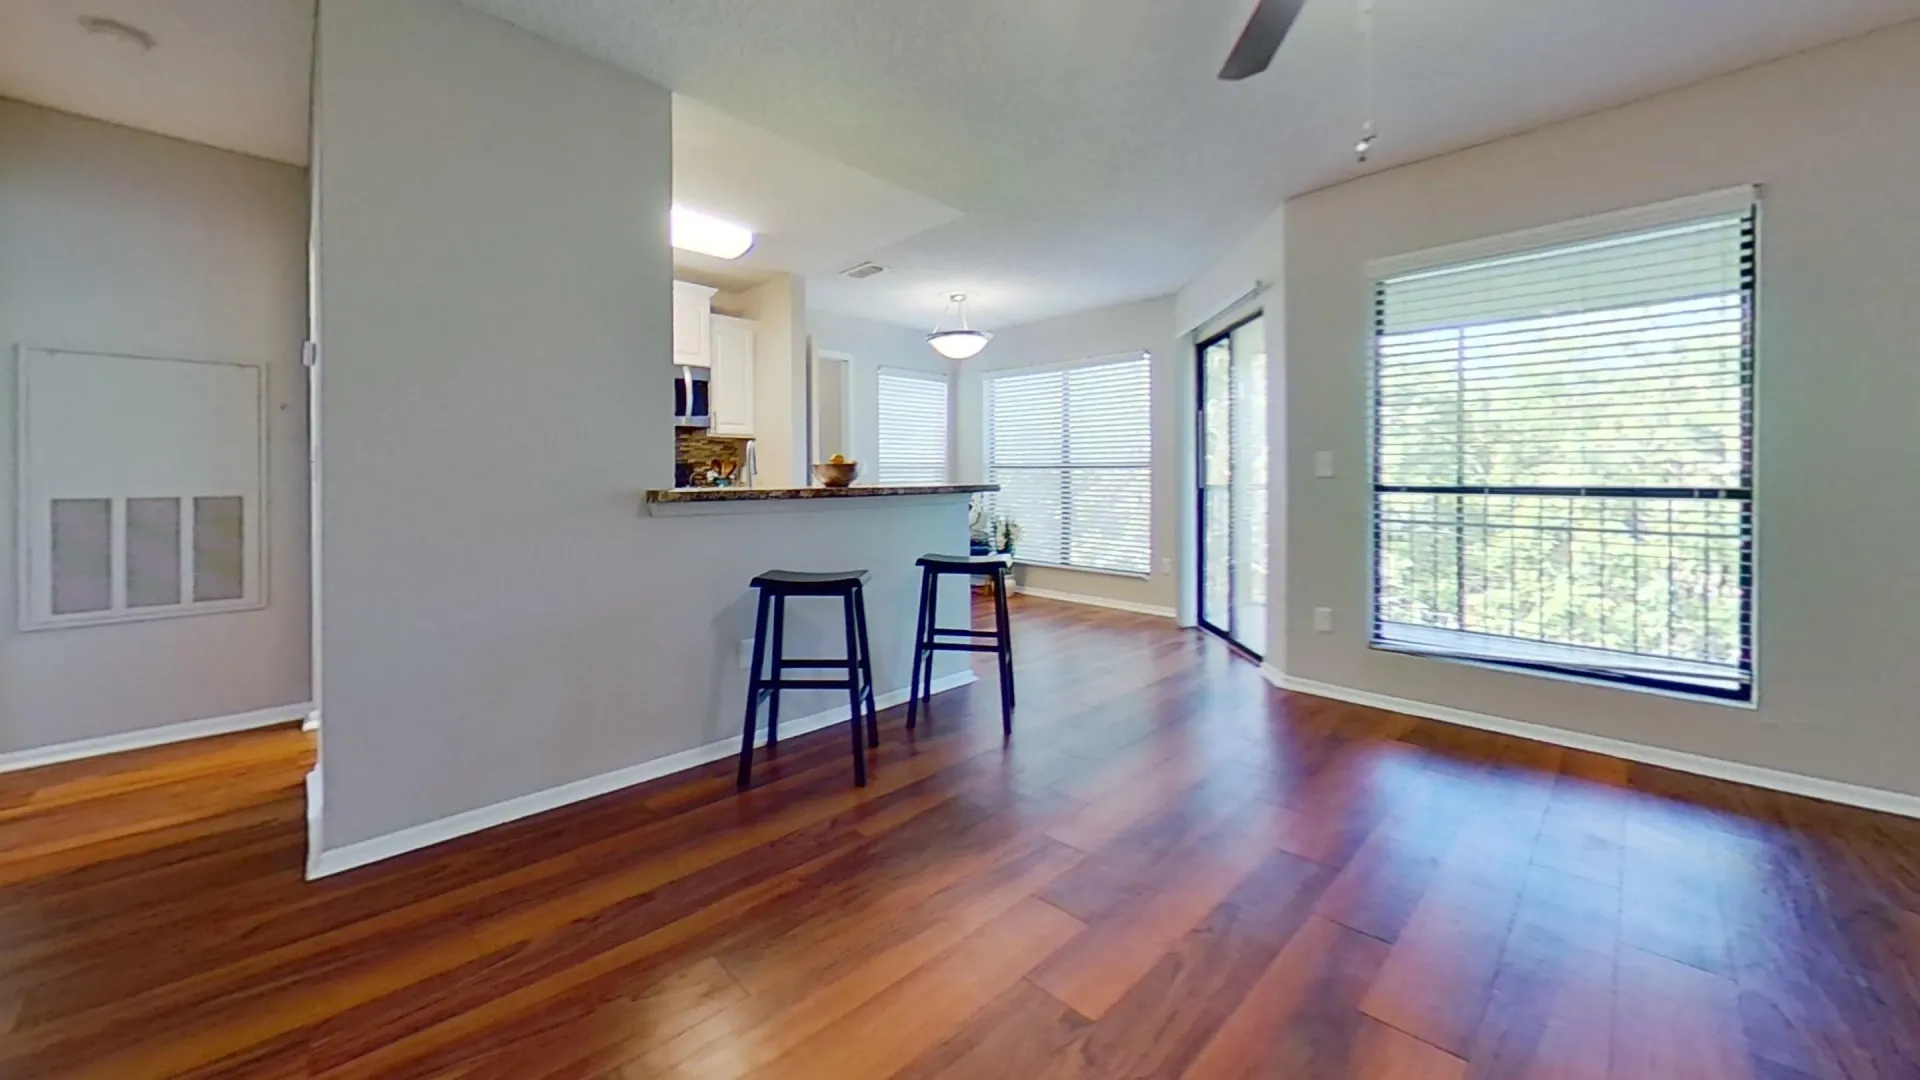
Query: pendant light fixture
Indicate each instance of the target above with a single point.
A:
(957, 344)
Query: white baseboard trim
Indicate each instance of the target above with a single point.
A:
(321, 863)
(1833, 791)
(1098, 601)
(148, 737)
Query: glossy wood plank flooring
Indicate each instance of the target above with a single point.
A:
(1171, 871)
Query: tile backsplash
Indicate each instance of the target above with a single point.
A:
(696, 452)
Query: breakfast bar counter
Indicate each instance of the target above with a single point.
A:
(855, 491)
(718, 539)
(688, 500)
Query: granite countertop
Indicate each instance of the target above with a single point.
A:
(857, 491)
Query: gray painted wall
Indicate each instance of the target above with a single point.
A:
(499, 618)
(116, 240)
(1834, 135)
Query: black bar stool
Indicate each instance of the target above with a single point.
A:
(927, 634)
(775, 587)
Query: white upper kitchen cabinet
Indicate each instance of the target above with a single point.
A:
(692, 324)
(731, 386)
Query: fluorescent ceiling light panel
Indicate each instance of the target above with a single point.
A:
(694, 231)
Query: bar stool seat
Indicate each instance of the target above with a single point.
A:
(774, 587)
(975, 564)
(928, 633)
(811, 583)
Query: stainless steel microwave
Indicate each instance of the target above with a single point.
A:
(691, 406)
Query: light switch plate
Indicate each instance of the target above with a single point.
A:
(746, 654)
(1323, 463)
(1323, 620)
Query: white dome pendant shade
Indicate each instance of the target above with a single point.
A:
(961, 343)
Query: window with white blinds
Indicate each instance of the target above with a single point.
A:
(1563, 457)
(913, 428)
(1072, 451)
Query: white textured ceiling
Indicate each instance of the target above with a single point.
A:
(227, 73)
(1045, 156)
(1087, 143)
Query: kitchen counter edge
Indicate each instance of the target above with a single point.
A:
(669, 499)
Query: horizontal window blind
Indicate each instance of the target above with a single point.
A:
(1072, 451)
(913, 428)
(1563, 458)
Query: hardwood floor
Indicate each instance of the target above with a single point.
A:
(1171, 871)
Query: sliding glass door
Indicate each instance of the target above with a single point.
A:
(1232, 382)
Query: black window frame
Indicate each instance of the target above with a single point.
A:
(1744, 694)
(1224, 633)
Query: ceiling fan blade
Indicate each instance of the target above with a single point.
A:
(1266, 29)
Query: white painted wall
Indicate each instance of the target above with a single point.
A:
(1834, 137)
(1259, 258)
(117, 240)
(870, 346)
(779, 311)
(501, 619)
(1146, 325)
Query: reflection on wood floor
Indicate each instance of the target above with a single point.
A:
(1172, 871)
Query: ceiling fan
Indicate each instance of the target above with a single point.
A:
(1265, 30)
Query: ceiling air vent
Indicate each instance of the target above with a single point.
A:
(864, 270)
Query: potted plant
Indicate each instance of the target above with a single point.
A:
(991, 532)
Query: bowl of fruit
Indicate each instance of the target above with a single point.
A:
(836, 471)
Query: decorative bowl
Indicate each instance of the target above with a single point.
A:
(836, 474)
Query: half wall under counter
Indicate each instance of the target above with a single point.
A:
(674, 501)
(699, 549)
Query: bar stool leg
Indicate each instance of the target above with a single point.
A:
(920, 636)
(853, 693)
(1000, 653)
(1003, 622)
(933, 638)
(866, 666)
(753, 691)
(779, 654)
